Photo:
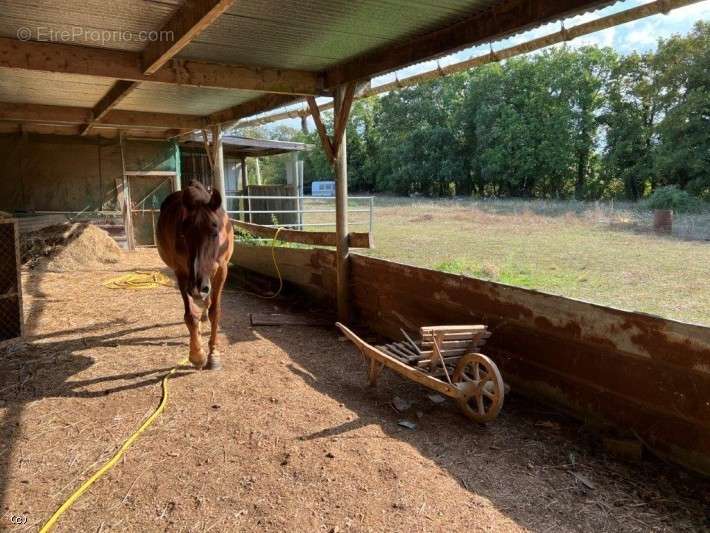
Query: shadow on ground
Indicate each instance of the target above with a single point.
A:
(539, 467)
(41, 366)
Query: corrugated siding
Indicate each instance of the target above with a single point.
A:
(318, 34)
(31, 87)
(312, 35)
(163, 98)
(89, 16)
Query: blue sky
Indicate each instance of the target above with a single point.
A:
(641, 35)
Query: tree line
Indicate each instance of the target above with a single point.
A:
(583, 123)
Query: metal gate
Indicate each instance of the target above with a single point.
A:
(147, 192)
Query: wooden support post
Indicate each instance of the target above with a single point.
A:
(245, 191)
(342, 110)
(300, 203)
(218, 163)
(258, 171)
(127, 205)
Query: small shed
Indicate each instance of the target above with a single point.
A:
(194, 162)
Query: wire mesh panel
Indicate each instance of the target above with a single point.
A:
(10, 291)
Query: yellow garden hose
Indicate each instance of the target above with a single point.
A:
(276, 266)
(111, 462)
(139, 280)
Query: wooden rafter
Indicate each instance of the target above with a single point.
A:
(332, 145)
(322, 133)
(251, 107)
(124, 65)
(566, 34)
(47, 114)
(186, 24)
(107, 132)
(111, 99)
(342, 115)
(499, 20)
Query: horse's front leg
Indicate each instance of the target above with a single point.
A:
(192, 321)
(215, 313)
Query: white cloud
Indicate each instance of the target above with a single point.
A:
(690, 13)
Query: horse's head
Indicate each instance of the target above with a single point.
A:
(202, 223)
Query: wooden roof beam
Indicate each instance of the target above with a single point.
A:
(500, 20)
(124, 65)
(186, 24)
(73, 129)
(250, 107)
(58, 115)
(111, 99)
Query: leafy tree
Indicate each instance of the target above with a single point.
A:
(584, 123)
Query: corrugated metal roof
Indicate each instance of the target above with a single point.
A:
(310, 35)
(30, 87)
(163, 98)
(320, 33)
(86, 20)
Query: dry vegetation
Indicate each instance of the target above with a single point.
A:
(597, 252)
(69, 247)
(287, 437)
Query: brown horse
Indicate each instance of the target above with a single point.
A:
(196, 240)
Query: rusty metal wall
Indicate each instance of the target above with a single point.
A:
(647, 375)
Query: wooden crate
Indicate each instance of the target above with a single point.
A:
(11, 321)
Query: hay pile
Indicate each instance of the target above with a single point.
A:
(68, 247)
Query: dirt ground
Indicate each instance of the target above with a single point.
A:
(286, 438)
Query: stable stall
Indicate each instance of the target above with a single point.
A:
(200, 67)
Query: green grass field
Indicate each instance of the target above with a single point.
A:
(601, 253)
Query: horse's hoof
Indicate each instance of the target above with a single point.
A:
(198, 359)
(213, 364)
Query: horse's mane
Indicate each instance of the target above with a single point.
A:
(195, 194)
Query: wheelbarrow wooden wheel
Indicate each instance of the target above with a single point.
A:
(481, 387)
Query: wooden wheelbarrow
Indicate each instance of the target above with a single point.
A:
(446, 360)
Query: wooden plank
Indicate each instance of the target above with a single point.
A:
(311, 270)
(47, 114)
(186, 23)
(428, 330)
(342, 115)
(125, 65)
(251, 107)
(111, 99)
(157, 173)
(127, 207)
(451, 336)
(482, 26)
(399, 352)
(218, 163)
(315, 238)
(449, 345)
(342, 247)
(287, 320)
